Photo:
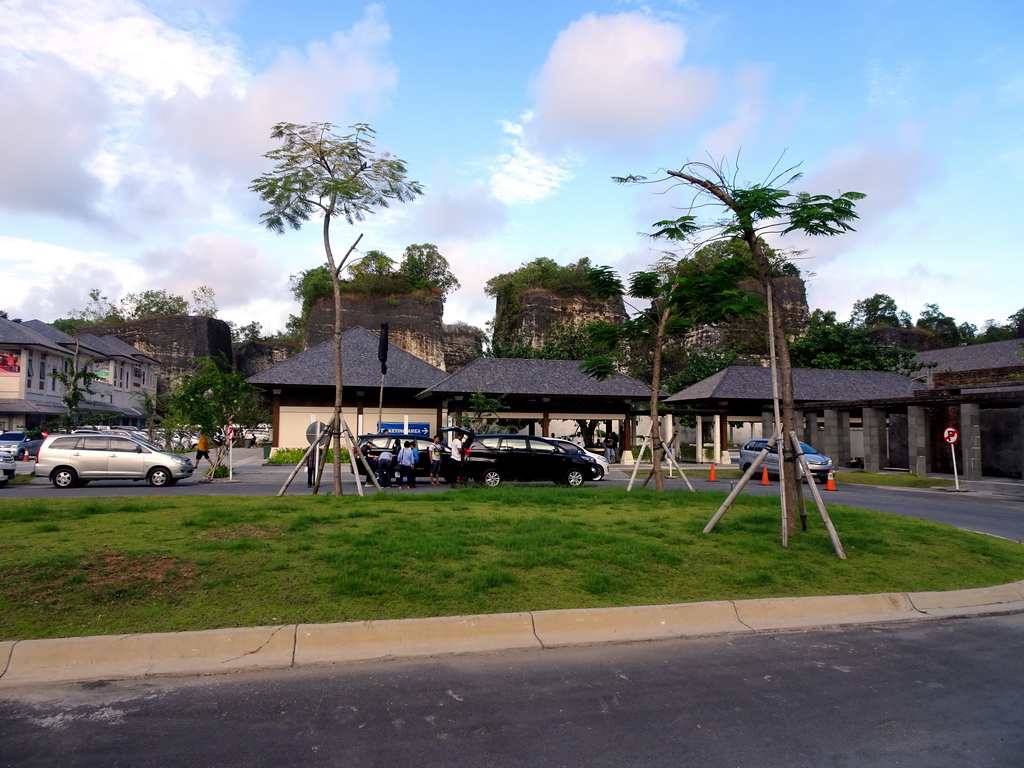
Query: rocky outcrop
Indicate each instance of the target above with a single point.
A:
(175, 341)
(252, 357)
(536, 311)
(914, 339)
(414, 322)
(463, 343)
(749, 336)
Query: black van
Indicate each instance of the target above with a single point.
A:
(494, 458)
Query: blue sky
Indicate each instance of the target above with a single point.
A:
(132, 131)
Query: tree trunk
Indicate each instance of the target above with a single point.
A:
(336, 289)
(656, 445)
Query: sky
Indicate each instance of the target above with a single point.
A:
(132, 131)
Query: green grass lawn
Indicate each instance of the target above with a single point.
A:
(108, 566)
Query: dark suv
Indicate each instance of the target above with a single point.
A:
(493, 458)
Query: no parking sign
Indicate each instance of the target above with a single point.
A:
(950, 435)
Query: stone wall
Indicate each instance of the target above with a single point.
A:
(414, 322)
(175, 341)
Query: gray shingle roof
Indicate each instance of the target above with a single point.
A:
(995, 354)
(360, 367)
(809, 385)
(508, 376)
(24, 335)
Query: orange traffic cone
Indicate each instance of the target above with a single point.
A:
(831, 484)
(764, 476)
(711, 476)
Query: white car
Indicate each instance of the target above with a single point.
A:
(7, 468)
(569, 445)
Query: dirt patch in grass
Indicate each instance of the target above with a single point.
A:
(242, 532)
(102, 575)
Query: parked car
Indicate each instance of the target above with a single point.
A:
(820, 465)
(29, 447)
(600, 462)
(7, 468)
(70, 460)
(491, 459)
(13, 442)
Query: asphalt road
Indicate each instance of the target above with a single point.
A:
(935, 694)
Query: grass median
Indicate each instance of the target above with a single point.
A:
(109, 566)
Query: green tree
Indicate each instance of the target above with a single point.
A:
(751, 212)
(153, 303)
(372, 263)
(425, 267)
(878, 311)
(214, 397)
(77, 379)
(699, 365)
(833, 345)
(678, 299)
(318, 172)
(945, 327)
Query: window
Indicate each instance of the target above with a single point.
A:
(540, 446)
(124, 445)
(42, 371)
(517, 444)
(94, 444)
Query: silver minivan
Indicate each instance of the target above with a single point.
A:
(70, 460)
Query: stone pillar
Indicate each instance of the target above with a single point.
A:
(970, 441)
(1020, 438)
(831, 438)
(842, 456)
(767, 424)
(700, 439)
(874, 439)
(917, 440)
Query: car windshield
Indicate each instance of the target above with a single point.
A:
(12, 437)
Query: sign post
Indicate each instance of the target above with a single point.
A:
(950, 435)
(231, 455)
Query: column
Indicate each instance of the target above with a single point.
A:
(970, 441)
(700, 439)
(874, 432)
(767, 424)
(917, 440)
(832, 436)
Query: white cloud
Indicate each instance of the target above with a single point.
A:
(525, 176)
(617, 79)
(53, 124)
(226, 129)
(235, 269)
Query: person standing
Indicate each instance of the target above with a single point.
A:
(435, 460)
(405, 465)
(415, 461)
(456, 447)
(609, 449)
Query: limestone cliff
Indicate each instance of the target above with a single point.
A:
(530, 316)
(414, 322)
(175, 341)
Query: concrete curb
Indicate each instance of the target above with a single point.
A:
(70, 660)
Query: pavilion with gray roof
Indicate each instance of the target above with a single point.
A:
(887, 419)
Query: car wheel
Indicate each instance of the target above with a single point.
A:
(490, 477)
(598, 473)
(21, 455)
(574, 478)
(3, 482)
(64, 477)
(159, 477)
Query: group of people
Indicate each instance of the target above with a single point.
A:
(387, 465)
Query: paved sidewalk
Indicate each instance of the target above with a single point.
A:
(35, 662)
